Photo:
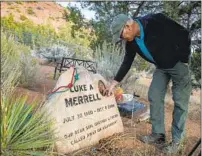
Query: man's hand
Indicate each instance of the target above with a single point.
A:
(110, 88)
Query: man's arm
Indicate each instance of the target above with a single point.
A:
(127, 62)
(125, 66)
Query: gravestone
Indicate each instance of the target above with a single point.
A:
(82, 114)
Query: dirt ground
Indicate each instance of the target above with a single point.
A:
(124, 144)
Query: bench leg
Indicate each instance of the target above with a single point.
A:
(55, 73)
(195, 147)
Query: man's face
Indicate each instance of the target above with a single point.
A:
(128, 31)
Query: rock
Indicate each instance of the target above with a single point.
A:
(82, 114)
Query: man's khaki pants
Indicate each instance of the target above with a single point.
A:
(181, 90)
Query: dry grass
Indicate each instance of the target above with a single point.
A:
(105, 147)
(112, 146)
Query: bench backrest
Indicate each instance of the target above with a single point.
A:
(89, 65)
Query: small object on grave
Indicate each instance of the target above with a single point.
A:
(118, 93)
(101, 87)
(129, 105)
(127, 97)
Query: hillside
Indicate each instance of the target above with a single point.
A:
(38, 12)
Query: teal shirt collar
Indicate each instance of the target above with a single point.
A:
(141, 30)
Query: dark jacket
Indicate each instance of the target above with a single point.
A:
(167, 41)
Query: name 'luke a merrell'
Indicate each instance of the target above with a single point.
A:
(81, 99)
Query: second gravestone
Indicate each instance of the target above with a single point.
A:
(82, 114)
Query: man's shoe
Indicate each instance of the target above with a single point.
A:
(172, 148)
(154, 138)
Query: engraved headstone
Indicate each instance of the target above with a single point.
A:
(82, 114)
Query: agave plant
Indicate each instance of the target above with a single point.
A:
(25, 129)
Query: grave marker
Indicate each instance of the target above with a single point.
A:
(82, 114)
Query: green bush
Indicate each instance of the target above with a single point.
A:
(19, 2)
(17, 64)
(11, 7)
(30, 11)
(10, 63)
(23, 17)
(196, 68)
(52, 18)
(18, 10)
(34, 35)
(27, 32)
(28, 68)
(9, 3)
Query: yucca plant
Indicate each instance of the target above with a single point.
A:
(25, 129)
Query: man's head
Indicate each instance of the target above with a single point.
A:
(124, 28)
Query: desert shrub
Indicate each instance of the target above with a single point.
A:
(30, 11)
(19, 2)
(28, 68)
(16, 63)
(36, 36)
(11, 7)
(196, 68)
(109, 59)
(9, 3)
(27, 32)
(84, 53)
(51, 17)
(82, 37)
(18, 10)
(54, 52)
(23, 17)
(10, 66)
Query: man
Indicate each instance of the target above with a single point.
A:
(166, 44)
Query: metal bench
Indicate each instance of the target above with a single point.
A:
(66, 63)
